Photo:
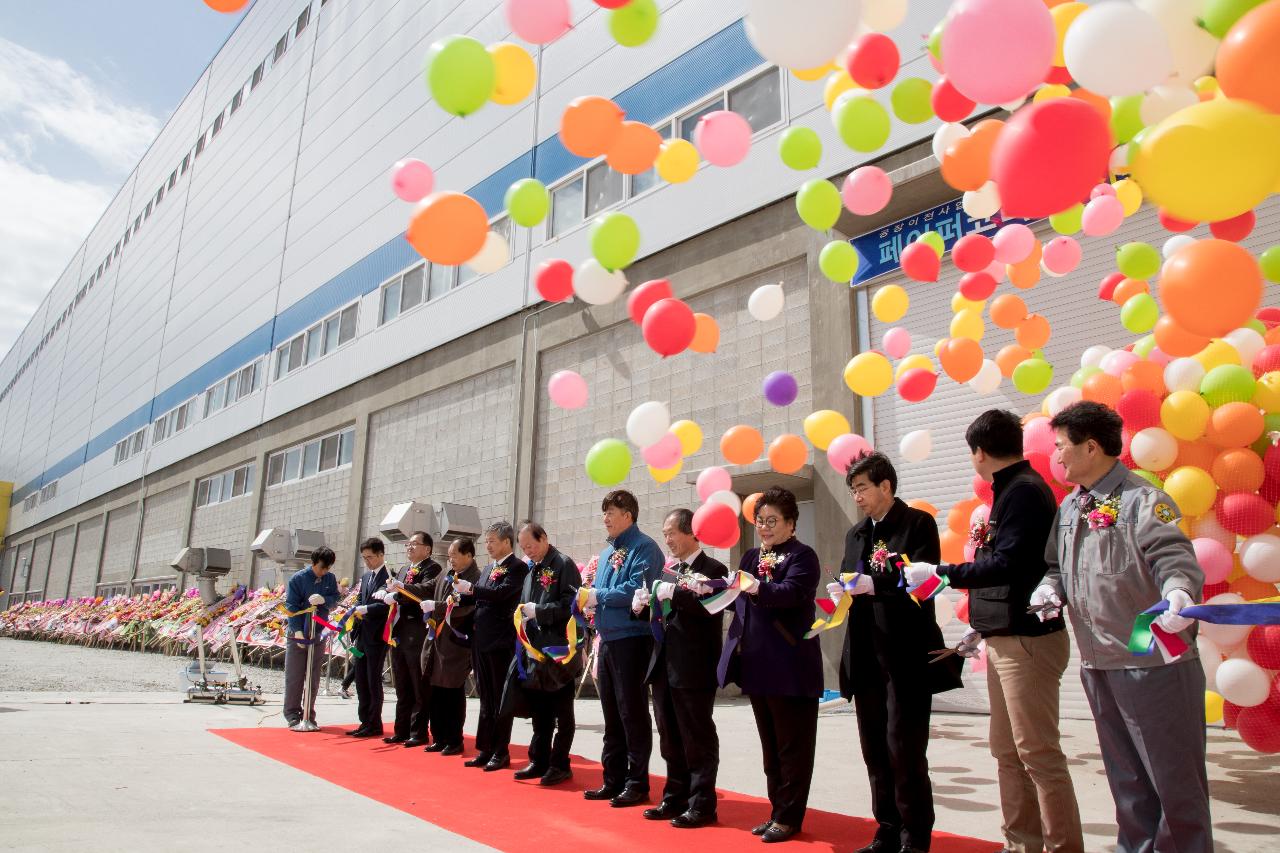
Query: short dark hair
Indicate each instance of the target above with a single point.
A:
(876, 466)
(683, 519)
(502, 530)
(323, 556)
(1086, 419)
(623, 500)
(374, 544)
(425, 537)
(782, 500)
(997, 433)
(535, 529)
(465, 546)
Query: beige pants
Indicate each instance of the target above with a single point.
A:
(1024, 675)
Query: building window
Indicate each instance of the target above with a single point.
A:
(186, 164)
(319, 340)
(758, 100)
(159, 195)
(257, 75)
(224, 486)
(689, 120)
(233, 388)
(236, 100)
(217, 122)
(200, 145)
(131, 446)
(439, 281)
(281, 47)
(648, 180)
(303, 20)
(173, 178)
(604, 188)
(30, 501)
(566, 206)
(49, 492)
(314, 457)
(390, 302)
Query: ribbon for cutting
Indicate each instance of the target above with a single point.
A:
(727, 591)
(929, 588)
(848, 580)
(388, 630)
(1147, 635)
(560, 654)
(658, 612)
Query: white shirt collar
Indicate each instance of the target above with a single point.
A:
(689, 560)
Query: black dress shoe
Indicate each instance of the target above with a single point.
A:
(630, 796)
(778, 832)
(395, 739)
(356, 732)
(876, 846)
(555, 776)
(413, 741)
(451, 749)
(693, 819)
(435, 747)
(369, 733)
(479, 761)
(498, 762)
(529, 771)
(907, 848)
(604, 792)
(662, 811)
(762, 828)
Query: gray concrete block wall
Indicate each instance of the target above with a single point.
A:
(162, 524)
(84, 566)
(316, 503)
(60, 564)
(40, 562)
(222, 525)
(117, 551)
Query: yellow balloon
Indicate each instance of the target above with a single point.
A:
(515, 73)
(1266, 394)
(890, 303)
(1216, 353)
(959, 303)
(914, 361)
(1049, 91)
(1185, 414)
(677, 161)
(1064, 14)
(1210, 161)
(1213, 707)
(868, 374)
(665, 475)
(690, 435)
(808, 75)
(1207, 85)
(1130, 195)
(1192, 489)
(937, 347)
(968, 324)
(823, 427)
(837, 84)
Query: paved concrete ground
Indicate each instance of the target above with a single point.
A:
(116, 769)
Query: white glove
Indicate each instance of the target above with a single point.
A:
(835, 591)
(1170, 620)
(428, 604)
(379, 595)
(1046, 594)
(701, 588)
(362, 609)
(666, 590)
(592, 603)
(640, 599)
(751, 584)
(297, 635)
(530, 610)
(316, 598)
(864, 585)
(463, 587)
(917, 573)
(968, 646)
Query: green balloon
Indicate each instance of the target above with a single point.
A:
(1139, 313)
(1126, 117)
(1270, 263)
(615, 241)
(1149, 477)
(838, 261)
(1144, 346)
(635, 23)
(1257, 325)
(1138, 260)
(460, 74)
(1228, 383)
(1078, 378)
(800, 148)
(862, 123)
(1068, 221)
(1270, 424)
(933, 240)
(910, 100)
(1032, 376)
(608, 462)
(818, 203)
(1219, 16)
(1134, 144)
(934, 44)
(528, 202)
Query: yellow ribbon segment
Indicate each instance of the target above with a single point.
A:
(836, 619)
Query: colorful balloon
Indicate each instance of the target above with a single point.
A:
(554, 280)
(635, 149)
(608, 462)
(824, 426)
(872, 61)
(1211, 287)
(862, 123)
(723, 138)
(996, 51)
(800, 148)
(412, 180)
(634, 24)
(787, 454)
(644, 296)
(741, 445)
(615, 240)
(1248, 62)
(460, 74)
(1048, 156)
(448, 228)
(669, 327)
(528, 202)
(706, 334)
(514, 73)
(677, 161)
(589, 126)
(781, 388)
(867, 190)
(538, 21)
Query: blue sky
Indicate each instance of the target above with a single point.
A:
(85, 86)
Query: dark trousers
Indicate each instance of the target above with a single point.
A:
(349, 673)
(893, 725)
(493, 729)
(788, 727)
(628, 736)
(448, 712)
(689, 744)
(367, 672)
(412, 690)
(551, 712)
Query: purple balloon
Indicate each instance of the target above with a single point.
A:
(780, 388)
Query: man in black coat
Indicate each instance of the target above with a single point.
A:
(409, 631)
(495, 596)
(682, 671)
(885, 667)
(372, 619)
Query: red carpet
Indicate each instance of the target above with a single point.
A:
(493, 809)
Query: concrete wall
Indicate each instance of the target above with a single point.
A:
(162, 531)
(84, 565)
(117, 549)
(316, 503)
(224, 525)
(60, 563)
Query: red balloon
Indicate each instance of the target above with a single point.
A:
(1270, 490)
(873, 61)
(1230, 714)
(554, 280)
(982, 490)
(1234, 229)
(669, 327)
(1139, 409)
(1267, 360)
(1126, 455)
(1040, 464)
(1107, 288)
(716, 524)
(643, 297)
(611, 4)
(1174, 224)
(1246, 514)
(920, 262)
(1269, 317)
(977, 286)
(1049, 156)
(917, 384)
(947, 102)
(1058, 74)
(1211, 589)
(973, 253)
(1259, 727)
(1264, 648)
(962, 607)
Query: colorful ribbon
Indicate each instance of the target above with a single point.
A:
(929, 589)
(560, 654)
(728, 590)
(848, 580)
(1147, 635)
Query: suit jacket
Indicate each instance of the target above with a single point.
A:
(495, 596)
(368, 631)
(691, 637)
(552, 598)
(410, 620)
(889, 636)
(446, 660)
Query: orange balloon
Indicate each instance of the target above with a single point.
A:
(1248, 61)
(1144, 375)
(1211, 286)
(590, 125)
(1098, 102)
(742, 445)
(706, 333)
(448, 228)
(1008, 310)
(788, 453)
(1198, 454)
(1033, 332)
(1238, 469)
(1128, 289)
(226, 5)
(1026, 273)
(1252, 589)
(1176, 341)
(749, 506)
(966, 164)
(1272, 336)
(961, 358)
(1010, 357)
(635, 148)
(1234, 425)
(952, 546)
(958, 515)
(923, 506)
(1103, 388)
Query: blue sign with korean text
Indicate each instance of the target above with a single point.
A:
(879, 250)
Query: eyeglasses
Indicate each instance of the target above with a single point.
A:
(767, 523)
(861, 490)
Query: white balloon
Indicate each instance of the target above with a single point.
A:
(595, 285)
(766, 302)
(1183, 374)
(1247, 342)
(1261, 557)
(1226, 636)
(1115, 49)
(1174, 244)
(1243, 682)
(983, 202)
(1062, 397)
(1210, 660)
(944, 610)
(1163, 101)
(1154, 448)
(944, 136)
(1050, 272)
(802, 34)
(728, 498)
(1093, 356)
(648, 423)
(1207, 527)
(988, 378)
(1192, 46)
(916, 445)
(1119, 161)
(493, 255)
(883, 15)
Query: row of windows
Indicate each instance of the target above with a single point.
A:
(174, 421)
(131, 446)
(225, 486)
(234, 388)
(425, 282)
(320, 340)
(314, 457)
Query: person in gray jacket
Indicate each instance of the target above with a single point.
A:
(1116, 550)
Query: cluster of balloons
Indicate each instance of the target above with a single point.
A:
(631, 22)
(463, 74)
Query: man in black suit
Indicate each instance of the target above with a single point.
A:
(495, 597)
(368, 629)
(682, 671)
(410, 632)
(885, 668)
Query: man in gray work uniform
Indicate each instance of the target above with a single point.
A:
(1115, 551)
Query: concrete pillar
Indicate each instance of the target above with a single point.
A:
(254, 513)
(355, 493)
(526, 377)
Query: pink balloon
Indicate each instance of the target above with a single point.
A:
(1116, 362)
(867, 190)
(412, 180)
(665, 453)
(568, 390)
(712, 480)
(843, 449)
(723, 138)
(980, 513)
(1014, 243)
(896, 342)
(1213, 558)
(538, 21)
(1038, 437)
(1101, 190)
(1061, 255)
(997, 270)
(995, 51)
(1102, 216)
(1159, 356)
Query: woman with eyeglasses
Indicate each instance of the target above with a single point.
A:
(767, 655)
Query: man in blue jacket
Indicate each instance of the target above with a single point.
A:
(629, 561)
(316, 588)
